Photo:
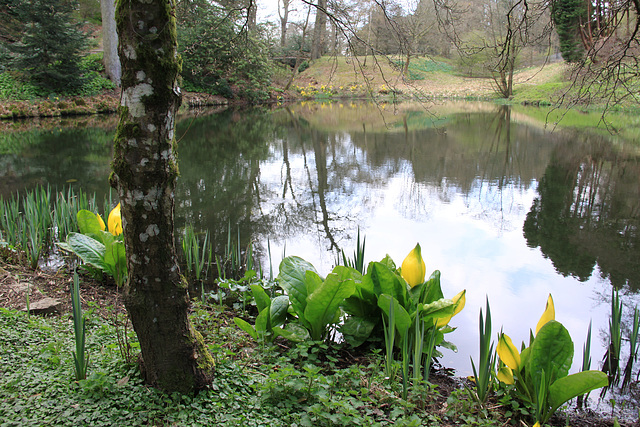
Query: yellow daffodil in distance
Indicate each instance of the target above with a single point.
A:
(508, 352)
(458, 303)
(115, 221)
(101, 222)
(505, 375)
(549, 314)
(413, 267)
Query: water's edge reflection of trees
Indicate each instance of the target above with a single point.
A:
(585, 213)
(313, 169)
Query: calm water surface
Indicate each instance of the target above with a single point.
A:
(500, 206)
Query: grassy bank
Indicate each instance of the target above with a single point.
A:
(253, 385)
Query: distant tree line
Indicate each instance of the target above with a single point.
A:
(226, 50)
(47, 44)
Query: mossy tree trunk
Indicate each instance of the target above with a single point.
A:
(144, 173)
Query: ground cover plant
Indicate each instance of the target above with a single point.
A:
(287, 369)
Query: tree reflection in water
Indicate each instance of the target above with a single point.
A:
(586, 214)
(465, 180)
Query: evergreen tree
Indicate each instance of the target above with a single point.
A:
(567, 15)
(51, 48)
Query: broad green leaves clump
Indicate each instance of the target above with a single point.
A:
(540, 372)
(100, 249)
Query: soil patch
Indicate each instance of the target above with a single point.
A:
(16, 282)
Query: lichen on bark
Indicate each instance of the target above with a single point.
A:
(144, 174)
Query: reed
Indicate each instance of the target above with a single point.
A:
(232, 264)
(486, 365)
(633, 349)
(389, 340)
(80, 358)
(586, 363)
(38, 219)
(357, 262)
(611, 360)
(10, 221)
(66, 207)
(197, 255)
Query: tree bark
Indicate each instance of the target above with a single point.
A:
(252, 14)
(144, 174)
(110, 41)
(319, 31)
(283, 13)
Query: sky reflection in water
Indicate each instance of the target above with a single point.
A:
(473, 236)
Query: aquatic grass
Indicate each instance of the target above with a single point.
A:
(38, 218)
(63, 217)
(80, 358)
(389, 341)
(33, 222)
(357, 262)
(611, 360)
(633, 349)
(483, 375)
(586, 363)
(197, 255)
(232, 264)
(10, 221)
(232, 251)
(65, 211)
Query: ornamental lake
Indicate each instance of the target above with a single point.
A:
(505, 205)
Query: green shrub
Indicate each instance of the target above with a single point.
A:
(303, 66)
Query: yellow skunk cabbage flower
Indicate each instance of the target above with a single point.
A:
(508, 352)
(537, 424)
(459, 301)
(115, 221)
(413, 267)
(102, 226)
(505, 375)
(549, 314)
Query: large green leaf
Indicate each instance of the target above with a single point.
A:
(293, 332)
(429, 291)
(292, 280)
(364, 301)
(386, 281)
(566, 388)
(324, 302)
(89, 250)
(278, 310)
(88, 222)
(263, 322)
(437, 309)
(115, 259)
(261, 297)
(245, 326)
(356, 330)
(401, 318)
(551, 352)
(312, 281)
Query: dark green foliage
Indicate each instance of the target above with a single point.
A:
(567, 16)
(218, 54)
(11, 17)
(51, 47)
(303, 66)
